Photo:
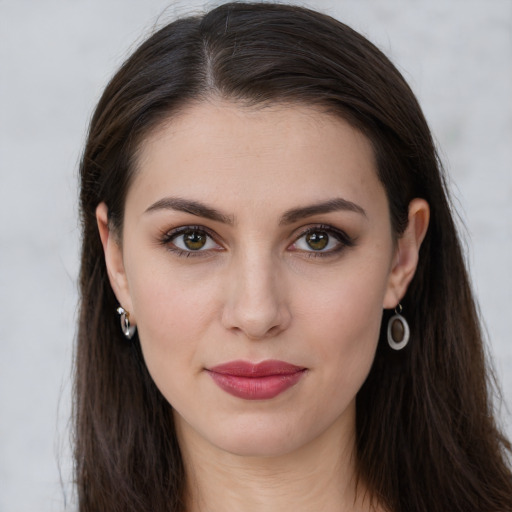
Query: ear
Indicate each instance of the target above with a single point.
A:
(405, 259)
(114, 260)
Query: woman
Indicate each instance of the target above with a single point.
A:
(264, 209)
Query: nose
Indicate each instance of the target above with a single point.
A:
(256, 302)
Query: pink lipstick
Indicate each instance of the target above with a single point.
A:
(260, 381)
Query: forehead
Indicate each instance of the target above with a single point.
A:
(285, 153)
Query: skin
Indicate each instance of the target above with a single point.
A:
(258, 291)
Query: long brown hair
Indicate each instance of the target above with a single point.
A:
(426, 434)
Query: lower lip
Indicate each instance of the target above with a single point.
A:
(256, 388)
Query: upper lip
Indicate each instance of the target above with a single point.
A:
(262, 369)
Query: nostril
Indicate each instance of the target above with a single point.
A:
(255, 300)
(266, 324)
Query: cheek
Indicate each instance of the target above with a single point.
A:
(173, 315)
(343, 319)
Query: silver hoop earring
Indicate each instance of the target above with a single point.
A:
(398, 330)
(128, 330)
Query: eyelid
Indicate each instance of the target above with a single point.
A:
(173, 232)
(345, 241)
(167, 236)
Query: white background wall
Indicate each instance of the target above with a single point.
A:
(55, 58)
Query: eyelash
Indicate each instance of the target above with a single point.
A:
(168, 237)
(345, 241)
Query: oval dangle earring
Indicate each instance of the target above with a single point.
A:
(128, 330)
(398, 330)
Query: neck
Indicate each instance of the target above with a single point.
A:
(316, 476)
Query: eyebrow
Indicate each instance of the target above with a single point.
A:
(332, 205)
(192, 207)
(289, 217)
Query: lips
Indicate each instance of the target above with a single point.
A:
(261, 381)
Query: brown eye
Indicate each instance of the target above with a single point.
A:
(190, 240)
(322, 241)
(317, 240)
(194, 240)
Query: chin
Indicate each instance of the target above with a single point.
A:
(260, 438)
(258, 446)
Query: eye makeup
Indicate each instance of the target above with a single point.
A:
(320, 240)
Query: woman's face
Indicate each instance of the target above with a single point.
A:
(257, 257)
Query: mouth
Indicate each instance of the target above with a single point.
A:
(261, 381)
